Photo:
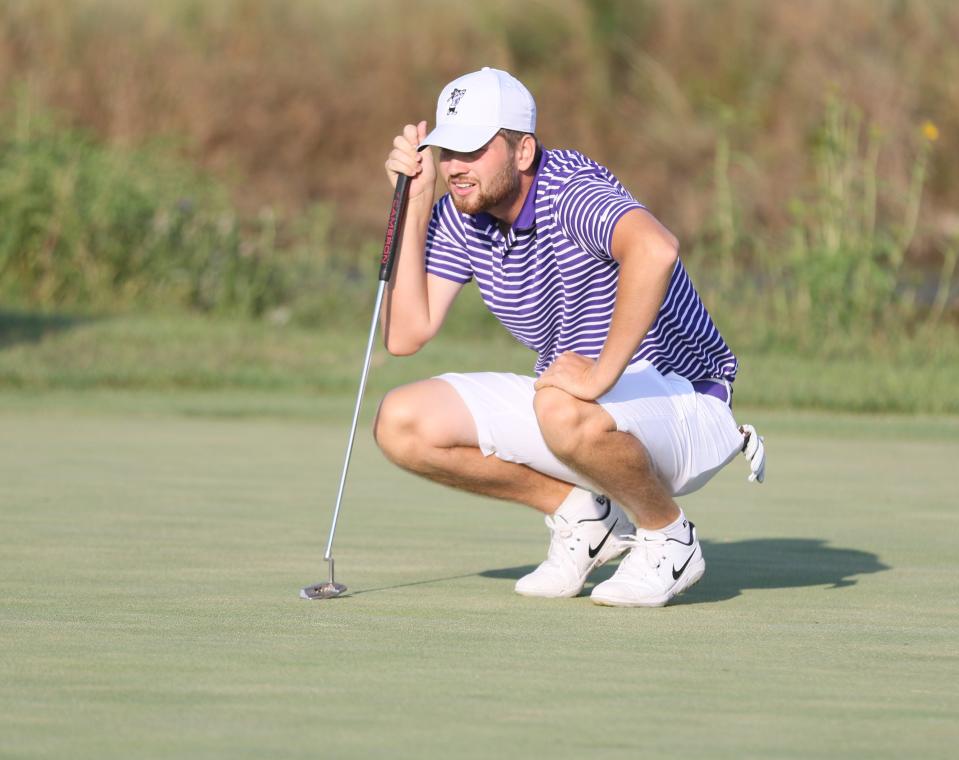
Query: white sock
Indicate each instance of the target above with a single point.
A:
(580, 504)
(679, 529)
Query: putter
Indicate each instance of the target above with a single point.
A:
(331, 589)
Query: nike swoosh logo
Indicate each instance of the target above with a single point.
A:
(593, 552)
(677, 573)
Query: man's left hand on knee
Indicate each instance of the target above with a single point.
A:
(577, 375)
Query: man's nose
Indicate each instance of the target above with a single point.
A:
(457, 166)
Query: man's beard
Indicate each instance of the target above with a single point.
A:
(503, 188)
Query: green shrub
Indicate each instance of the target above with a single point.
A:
(96, 228)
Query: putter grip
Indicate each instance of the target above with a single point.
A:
(393, 226)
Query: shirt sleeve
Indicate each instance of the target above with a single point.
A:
(447, 255)
(587, 209)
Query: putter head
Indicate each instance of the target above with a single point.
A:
(327, 590)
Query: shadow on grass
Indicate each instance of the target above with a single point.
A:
(411, 583)
(761, 563)
(731, 568)
(29, 327)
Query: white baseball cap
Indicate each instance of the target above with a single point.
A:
(473, 108)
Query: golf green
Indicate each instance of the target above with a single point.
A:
(150, 563)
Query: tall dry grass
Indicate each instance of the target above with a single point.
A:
(782, 141)
(291, 101)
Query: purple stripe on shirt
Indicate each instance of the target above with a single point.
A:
(551, 280)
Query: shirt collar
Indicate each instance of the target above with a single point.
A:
(526, 219)
(527, 214)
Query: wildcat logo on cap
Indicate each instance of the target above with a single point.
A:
(454, 100)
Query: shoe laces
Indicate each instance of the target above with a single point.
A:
(559, 526)
(561, 534)
(648, 544)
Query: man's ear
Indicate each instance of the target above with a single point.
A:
(525, 152)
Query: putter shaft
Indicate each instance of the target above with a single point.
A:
(390, 246)
(328, 555)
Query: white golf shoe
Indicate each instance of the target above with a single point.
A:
(585, 533)
(655, 570)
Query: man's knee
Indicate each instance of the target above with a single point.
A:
(568, 423)
(413, 419)
(394, 427)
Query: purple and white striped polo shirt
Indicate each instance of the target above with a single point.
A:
(551, 280)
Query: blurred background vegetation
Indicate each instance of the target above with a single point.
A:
(224, 158)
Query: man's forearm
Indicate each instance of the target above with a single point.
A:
(646, 253)
(405, 319)
(639, 295)
(647, 257)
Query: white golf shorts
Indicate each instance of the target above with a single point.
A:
(689, 436)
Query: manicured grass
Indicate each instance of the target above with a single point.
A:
(150, 558)
(193, 353)
(59, 353)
